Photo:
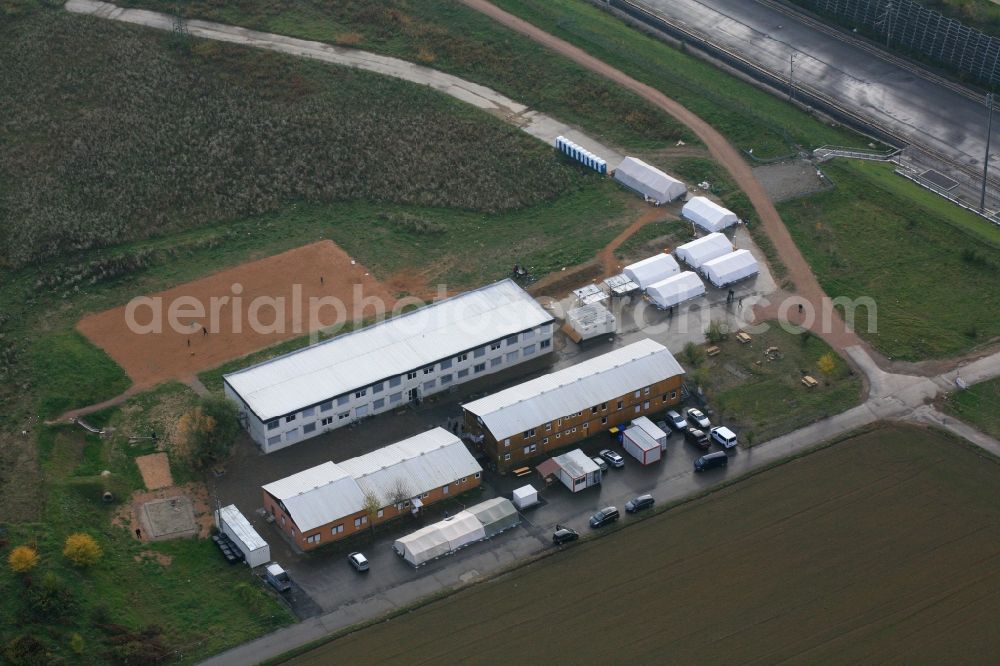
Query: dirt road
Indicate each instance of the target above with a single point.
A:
(799, 272)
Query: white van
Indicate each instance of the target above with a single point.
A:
(724, 436)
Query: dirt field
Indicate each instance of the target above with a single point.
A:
(318, 270)
(883, 548)
(787, 180)
(155, 471)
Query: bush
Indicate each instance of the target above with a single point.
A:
(25, 649)
(51, 599)
(694, 354)
(717, 332)
(206, 433)
(82, 550)
(23, 559)
(76, 643)
(827, 364)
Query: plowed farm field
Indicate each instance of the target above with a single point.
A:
(882, 548)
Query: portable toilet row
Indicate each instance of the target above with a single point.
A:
(581, 155)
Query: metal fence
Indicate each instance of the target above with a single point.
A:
(911, 25)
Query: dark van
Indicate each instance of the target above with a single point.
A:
(711, 461)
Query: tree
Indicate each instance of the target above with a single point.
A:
(694, 354)
(827, 364)
(23, 559)
(372, 505)
(206, 433)
(82, 550)
(399, 491)
(717, 332)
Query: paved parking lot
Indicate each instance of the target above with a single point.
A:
(326, 580)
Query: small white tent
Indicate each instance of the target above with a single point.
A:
(648, 180)
(652, 270)
(709, 247)
(525, 496)
(677, 289)
(708, 215)
(730, 268)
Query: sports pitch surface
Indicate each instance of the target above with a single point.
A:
(882, 548)
(281, 287)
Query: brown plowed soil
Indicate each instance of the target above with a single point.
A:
(719, 148)
(314, 271)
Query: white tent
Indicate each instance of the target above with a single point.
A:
(495, 515)
(709, 247)
(525, 496)
(652, 270)
(440, 538)
(677, 289)
(730, 268)
(708, 215)
(648, 180)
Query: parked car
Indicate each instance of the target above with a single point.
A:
(277, 577)
(662, 425)
(698, 419)
(724, 436)
(697, 437)
(711, 461)
(358, 561)
(605, 516)
(676, 421)
(639, 503)
(600, 463)
(564, 535)
(613, 458)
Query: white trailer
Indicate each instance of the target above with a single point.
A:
(525, 496)
(641, 446)
(234, 525)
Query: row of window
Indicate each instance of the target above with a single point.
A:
(429, 385)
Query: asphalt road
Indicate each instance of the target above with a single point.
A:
(922, 109)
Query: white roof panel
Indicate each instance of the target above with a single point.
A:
(424, 462)
(648, 180)
(709, 247)
(331, 491)
(641, 438)
(653, 430)
(308, 376)
(708, 215)
(575, 388)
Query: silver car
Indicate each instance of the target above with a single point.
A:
(698, 419)
(358, 561)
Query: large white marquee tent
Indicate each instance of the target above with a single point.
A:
(708, 215)
(476, 523)
(706, 248)
(675, 290)
(730, 268)
(652, 270)
(649, 181)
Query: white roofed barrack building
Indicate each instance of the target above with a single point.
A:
(330, 501)
(706, 248)
(386, 365)
(708, 215)
(730, 268)
(649, 181)
(564, 407)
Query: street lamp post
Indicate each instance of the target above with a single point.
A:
(986, 158)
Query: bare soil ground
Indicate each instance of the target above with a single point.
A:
(882, 548)
(787, 180)
(128, 515)
(318, 270)
(155, 470)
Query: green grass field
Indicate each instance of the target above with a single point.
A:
(979, 405)
(881, 548)
(930, 267)
(115, 133)
(764, 397)
(452, 38)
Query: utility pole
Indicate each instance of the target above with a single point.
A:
(791, 77)
(986, 159)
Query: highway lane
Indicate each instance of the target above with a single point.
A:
(921, 109)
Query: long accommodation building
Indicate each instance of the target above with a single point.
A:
(561, 408)
(334, 500)
(386, 365)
